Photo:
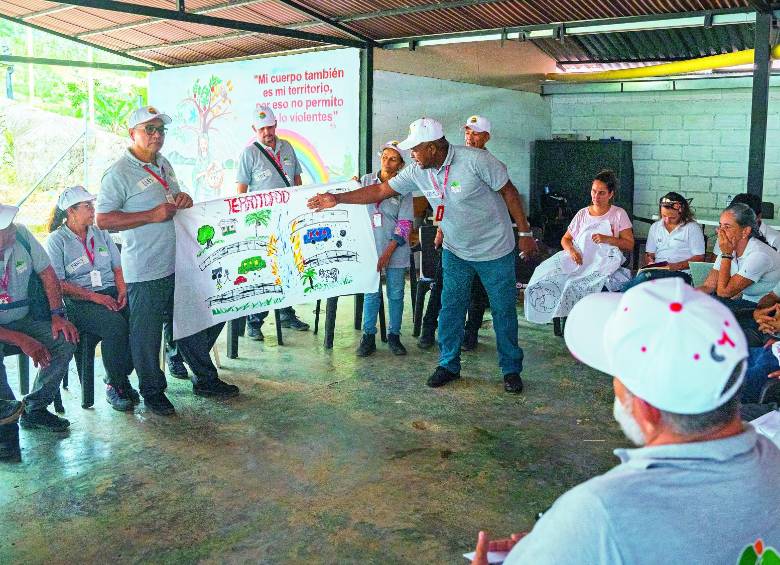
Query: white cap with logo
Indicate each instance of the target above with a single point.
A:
(669, 344)
(478, 124)
(394, 145)
(146, 114)
(422, 131)
(74, 195)
(264, 117)
(7, 215)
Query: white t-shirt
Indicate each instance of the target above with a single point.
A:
(759, 263)
(617, 217)
(684, 242)
(771, 234)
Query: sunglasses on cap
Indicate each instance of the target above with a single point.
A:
(150, 129)
(669, 203)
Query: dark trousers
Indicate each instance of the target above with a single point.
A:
(151, 308)
(477, 304)
(431, 317)
(112, 328)
(256, 320)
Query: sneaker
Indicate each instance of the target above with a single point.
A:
(10, 411)
(295, 323)
(132, 394)
(513, 383)
(176, 368)
(367, 345)
(10, 452)
(118, 398)
(43, 420)
(441, 377)
(425, 341)
(469, 342)
(159, 404)
(395, 345)
(255, 334)
(215, 387)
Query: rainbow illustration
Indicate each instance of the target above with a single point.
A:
(310, 160)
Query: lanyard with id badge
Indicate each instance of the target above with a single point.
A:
(5, 298)
(165, 185)
(94, 274)
(440, 192)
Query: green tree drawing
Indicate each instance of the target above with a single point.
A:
(263, 217)
(308, 275)
(205, 235)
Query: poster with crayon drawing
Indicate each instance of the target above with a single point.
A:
(315, 97)
(265, 250)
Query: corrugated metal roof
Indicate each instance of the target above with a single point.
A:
(407, 18)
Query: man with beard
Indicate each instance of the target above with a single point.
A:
(702, 487)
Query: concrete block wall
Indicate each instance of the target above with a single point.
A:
(518, 118)
(693, 142)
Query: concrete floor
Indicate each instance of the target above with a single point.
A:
(324, 458)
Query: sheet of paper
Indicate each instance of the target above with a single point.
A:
(493, 556)
(769, 425)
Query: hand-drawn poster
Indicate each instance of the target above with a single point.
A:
(265, 250)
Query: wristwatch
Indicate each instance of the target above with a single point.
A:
(58, 312)
(525, 234)
(722, 256)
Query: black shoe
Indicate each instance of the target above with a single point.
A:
(367, 345)
(118, 398)
(176, 368)
(10, 411)
(294, 323)
(395, 345)
(469, 342)
(10, 452)
(255, 334)
(441, 377)
(215, 387)
(43, 420)
(770, 393)
(159, 404)
(513, 383)
(425, 341)
(132, 394)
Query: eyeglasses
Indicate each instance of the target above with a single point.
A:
(667, 203)
(150, 129)
(88, 205)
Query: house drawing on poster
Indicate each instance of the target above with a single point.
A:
(228, 226)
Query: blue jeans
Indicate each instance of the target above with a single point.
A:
(761, 362)
(498, 278)
(394, 285)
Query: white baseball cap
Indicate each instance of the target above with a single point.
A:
(264, 117)
(478, 124)
(7, 215)
(394, 146)
(74, 195)
(669, 344)
(147, 114)
(421, 131)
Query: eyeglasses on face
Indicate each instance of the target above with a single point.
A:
(150, 129)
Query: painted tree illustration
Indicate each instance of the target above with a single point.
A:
(308, 275)
(206, 235)
(262, 217)
(211, 101)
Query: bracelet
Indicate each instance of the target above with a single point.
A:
(726, 256)
(58, 312)
(525, 234)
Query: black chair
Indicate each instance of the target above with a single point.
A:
(85, 367)
(428, 258)
(237, 327)
(331, 307)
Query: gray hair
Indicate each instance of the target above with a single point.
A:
(746, 217)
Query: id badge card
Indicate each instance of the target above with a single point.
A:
(169, 198)
(95, 278)
(439, 213)
(376, 220)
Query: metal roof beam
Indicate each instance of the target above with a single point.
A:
(80, 41)
(141, 23)
(586, 27)
(325, 20)
(190, 42)
(175, 15)
(85, 64)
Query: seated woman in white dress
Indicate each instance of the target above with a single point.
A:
(676, 239)
(593, 247)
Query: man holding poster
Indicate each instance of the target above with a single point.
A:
(267, 164)
(479, 198)
(139, 196)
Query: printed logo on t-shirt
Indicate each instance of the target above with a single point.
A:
(20, 266)
(103, 250)
(456, 187)
(757, 554)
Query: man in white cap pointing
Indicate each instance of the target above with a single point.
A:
(703, 486)
(266, 164)
(471, 194)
